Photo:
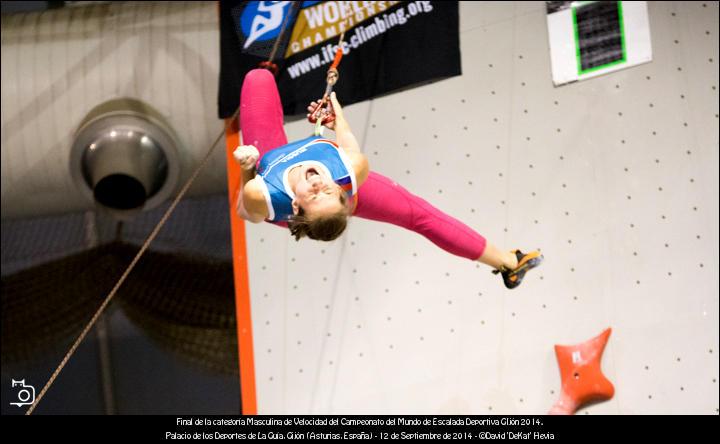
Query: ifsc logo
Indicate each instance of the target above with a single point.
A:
(261, 21)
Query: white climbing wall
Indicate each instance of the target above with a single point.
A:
(615, 179)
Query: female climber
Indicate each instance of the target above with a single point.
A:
(314, 185)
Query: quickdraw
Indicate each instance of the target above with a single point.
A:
(268, 64)
(323, 112)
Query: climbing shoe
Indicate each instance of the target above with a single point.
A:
(526, 262)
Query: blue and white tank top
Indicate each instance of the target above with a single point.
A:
(274, 166)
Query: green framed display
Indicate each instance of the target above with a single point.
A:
(607, 19)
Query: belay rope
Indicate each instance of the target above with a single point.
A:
(135, 260)
(323, 112)
(267, 65)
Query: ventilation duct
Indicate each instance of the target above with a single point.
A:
(67, 61)
(125, 157)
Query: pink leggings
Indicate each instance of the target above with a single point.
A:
(379, 198)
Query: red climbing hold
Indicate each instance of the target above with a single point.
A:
(581, 375)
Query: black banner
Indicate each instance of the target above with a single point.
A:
(387, 45)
